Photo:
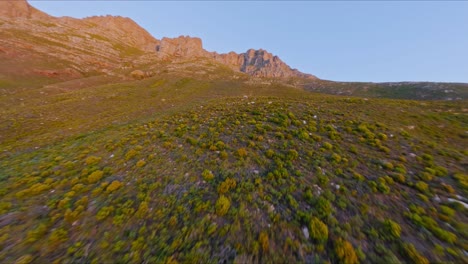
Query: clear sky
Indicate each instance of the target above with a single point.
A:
(335, 40)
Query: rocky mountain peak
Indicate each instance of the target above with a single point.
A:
(260, 63)
(20, 9)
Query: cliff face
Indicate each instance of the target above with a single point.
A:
(181, 47)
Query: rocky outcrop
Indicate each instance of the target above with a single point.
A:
(259, 63)
(182, 46)
(20, 9)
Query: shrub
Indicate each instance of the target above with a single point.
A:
(413, 254)
(344, 252)
(421, 186)
(104, 212)
(222, 205)
(114, 186)
(382, 136)
(383, 188)
(92, 160)
(292, 155)
(323, 207)
(270, 153)
(142, 210)
(318, 230)
(95, 176)
(242, 152)
(26, 259)
(38, 188)
(327, 145)
(130, 154)
(391, 230)
(358, 176)
(225, 186)
(399, 177)
(140, 163)
(447, 211)
(264, 242)
(223, 154)
(36, 234)
(444, 235)
(335, 158)
(462, 180)
(207, 175)
(387, 165)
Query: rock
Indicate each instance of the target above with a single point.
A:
(183, 46)
(305, 231)
(138, 74)
(457, 201)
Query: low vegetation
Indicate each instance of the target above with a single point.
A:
(245, 179)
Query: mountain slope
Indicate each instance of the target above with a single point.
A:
(247, 179)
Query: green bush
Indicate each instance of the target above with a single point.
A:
(95, 176)
(323, 207)
(447, 211)
(242, 152)
(410, 251)
(264, 242)
(92, 160)
(207, 175)
(391, 230)
(421, 186)
(225, 186)
(114, 186)
(222, 205)
(327, 145)
(318, 230)
(344, 252)
(140, 163)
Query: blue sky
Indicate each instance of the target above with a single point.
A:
(337, 40)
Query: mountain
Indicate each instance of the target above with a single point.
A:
(111, 39)
(113, 46)
(119, 147)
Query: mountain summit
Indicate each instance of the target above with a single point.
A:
(20, 9)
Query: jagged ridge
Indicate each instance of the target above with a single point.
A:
(259, 63)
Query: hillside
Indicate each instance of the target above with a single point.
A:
(119, 147)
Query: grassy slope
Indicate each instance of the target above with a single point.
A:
(404, 90)
(208, 174)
